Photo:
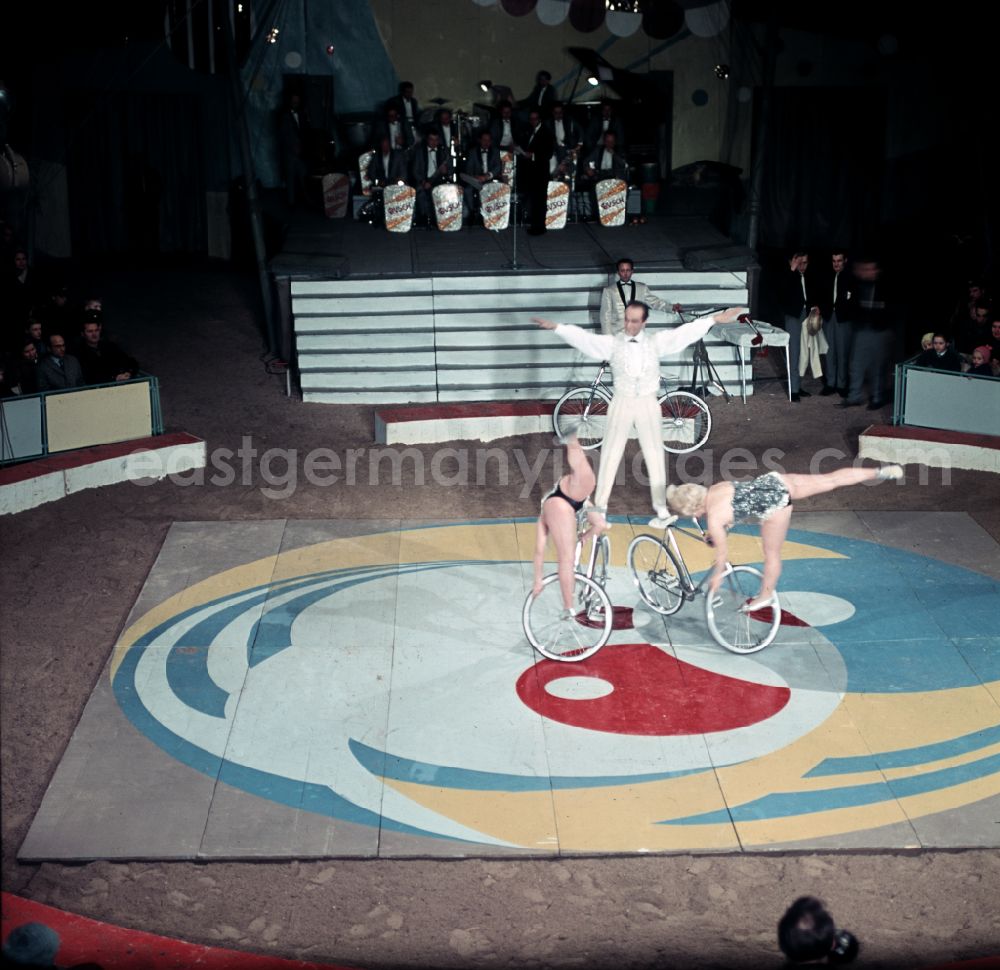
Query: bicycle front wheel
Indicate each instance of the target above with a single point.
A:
(563, 636)
(687, 422)
(733, 628)
(585, 411)
(656, 574)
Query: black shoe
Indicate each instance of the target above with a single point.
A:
(876, 405)
(827, 391)
(842, 391)
(795, 397)
(804, 393)
(846, 403)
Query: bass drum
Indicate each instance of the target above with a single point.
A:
(447, 206)
(399, 204)
(611, 197)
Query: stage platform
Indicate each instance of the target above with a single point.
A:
(310, 689)
(373, 317)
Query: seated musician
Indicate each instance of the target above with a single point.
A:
(504, 128)
(430, 165)
(407, 109)
(393, 128)
(601, 124)
(604, 162)
(482, 165)
(388, 165)
(447, 129)
(568, 140)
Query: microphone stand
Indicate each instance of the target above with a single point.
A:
(701, 361)
(513, 201)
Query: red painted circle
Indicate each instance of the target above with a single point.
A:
(654, 694)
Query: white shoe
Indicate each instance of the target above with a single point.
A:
(662, 521)
(889, 473)
(760, 603)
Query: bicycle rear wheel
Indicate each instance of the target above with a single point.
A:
(687, 422)
(585, 411)
(656, 574)
(729, 625)
(573, 637)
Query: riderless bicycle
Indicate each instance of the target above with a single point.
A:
(687, 421)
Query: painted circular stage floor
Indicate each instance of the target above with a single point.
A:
(309, 689)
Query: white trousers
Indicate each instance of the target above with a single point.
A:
(624, 414)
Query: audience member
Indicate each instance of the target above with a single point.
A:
(25, 371)
(55, 311)
(7, 386)
(796, 300)
(940, 356)
(102, 361)
(975, 329)
(994, 340)
(59, 370)
(807, 933)
(981, 365)
(873, 333)
(836, 301)
(33, 334)
(927, 340)
(21, 289)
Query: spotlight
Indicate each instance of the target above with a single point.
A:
(722, 71)
(329, 49)
(485, 86)
(592, 81)
(624, 6)
(272, 35)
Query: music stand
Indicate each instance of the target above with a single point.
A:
(701, 361)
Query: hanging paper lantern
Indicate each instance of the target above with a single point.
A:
(586, 15)
(518, 8)
(707, 21)
(622, 24)
(552, 12)
(662, 20)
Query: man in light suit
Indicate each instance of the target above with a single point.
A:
(620, 294)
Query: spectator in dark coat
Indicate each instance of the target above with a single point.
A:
(102, 361)
(59, 370)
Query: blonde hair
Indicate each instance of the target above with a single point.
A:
(927, 340)
(687, 499)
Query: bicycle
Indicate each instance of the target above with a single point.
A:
(687, 420)
(664, 582)
(579, 634)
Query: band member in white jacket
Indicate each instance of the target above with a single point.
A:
(623, 291)
(635, 356)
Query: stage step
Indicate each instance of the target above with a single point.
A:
(459, 338)
(909, 445)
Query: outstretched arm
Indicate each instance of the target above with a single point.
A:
(670, 341)
(719, 516)
(597, 346)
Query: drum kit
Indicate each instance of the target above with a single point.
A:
(394, 204)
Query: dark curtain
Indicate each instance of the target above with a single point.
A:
(822, 168)
(136, 173)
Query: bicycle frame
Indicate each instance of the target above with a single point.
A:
(691, 589)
